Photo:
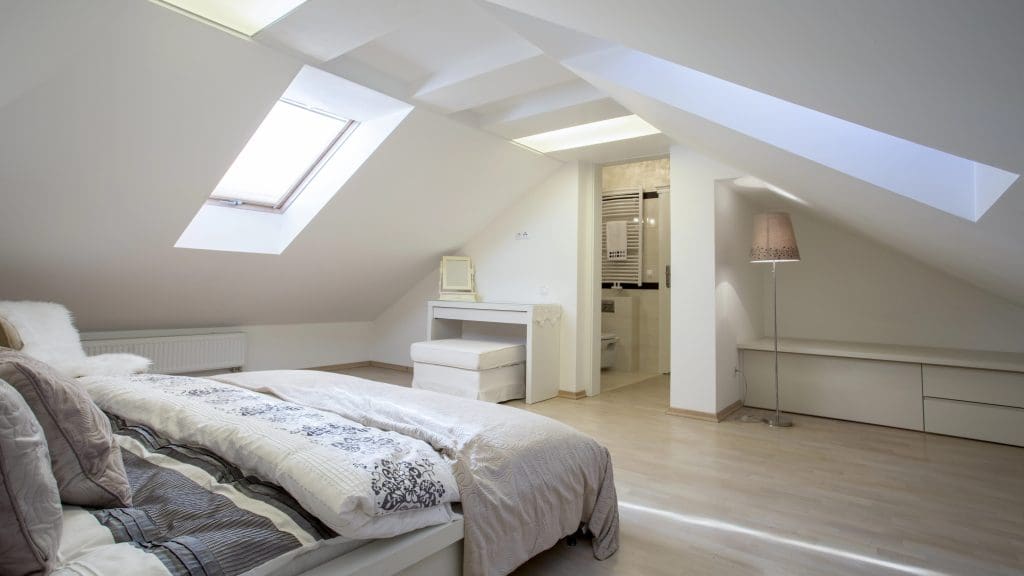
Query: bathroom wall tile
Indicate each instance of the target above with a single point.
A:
(650, 174)
(638, 327)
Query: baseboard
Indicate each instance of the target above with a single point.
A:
(362, 364)
(728, 410)
(707, 416)
(398, 367)
(572, 395)
(338, 367)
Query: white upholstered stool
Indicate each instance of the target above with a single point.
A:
(490, 371)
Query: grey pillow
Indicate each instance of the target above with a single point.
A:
(30, 512)
(86, 461)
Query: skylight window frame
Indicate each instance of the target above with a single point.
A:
(307, 176)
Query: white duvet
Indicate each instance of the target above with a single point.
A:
(361, 482)
(526, 481)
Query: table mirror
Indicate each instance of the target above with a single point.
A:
(458, 281)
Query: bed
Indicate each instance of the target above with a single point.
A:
(289, 472)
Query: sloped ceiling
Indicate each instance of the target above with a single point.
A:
(113, 138)
(117, 117)
(946, 75)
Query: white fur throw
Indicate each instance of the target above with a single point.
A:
(49, 335)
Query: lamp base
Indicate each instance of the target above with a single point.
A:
(778, 421)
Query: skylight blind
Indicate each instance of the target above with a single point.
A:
(626, 206)
(289, 144)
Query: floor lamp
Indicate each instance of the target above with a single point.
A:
(775, 241)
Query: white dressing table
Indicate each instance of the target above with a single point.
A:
(543, 335)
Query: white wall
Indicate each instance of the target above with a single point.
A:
(850, 288)
(117, 119)
(282, 346)
(541, 269)
(739, 289)
(403, 323)
(694, 318)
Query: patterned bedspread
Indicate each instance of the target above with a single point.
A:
(193, 515)
(361, 482)
(525, 480)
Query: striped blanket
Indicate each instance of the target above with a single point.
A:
(194, 514)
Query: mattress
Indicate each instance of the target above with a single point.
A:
(494, 385)
(468, 354)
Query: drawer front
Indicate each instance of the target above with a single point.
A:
(973, 385)
(979, 421)
(886, 393)
(481, 315)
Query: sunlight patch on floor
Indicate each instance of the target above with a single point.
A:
(711, 523)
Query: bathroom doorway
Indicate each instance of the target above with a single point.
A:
(635, 273)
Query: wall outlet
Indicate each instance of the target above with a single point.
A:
(542, 290)
(522, 235)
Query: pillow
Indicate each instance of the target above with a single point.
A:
(9, 337)
(86, 461)
(30, 510)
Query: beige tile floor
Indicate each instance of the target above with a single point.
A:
(824, 497)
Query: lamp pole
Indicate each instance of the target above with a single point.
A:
(777, 421)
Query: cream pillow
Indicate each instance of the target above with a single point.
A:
(85, 458)
(30, 513)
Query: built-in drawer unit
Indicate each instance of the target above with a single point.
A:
(877, 392)
(969, 393)
(989, 422)
(974, 403)
(974, 385)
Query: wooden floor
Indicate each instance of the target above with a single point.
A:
(824, 497)
(400, 377)
(613, 379)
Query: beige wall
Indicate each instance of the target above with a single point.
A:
(540, 269)
(851, 288)
(281, 346)
(738, 289)
(696, 318)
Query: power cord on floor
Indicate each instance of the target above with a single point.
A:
(752, 418)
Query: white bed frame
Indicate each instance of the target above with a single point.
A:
(431, 551)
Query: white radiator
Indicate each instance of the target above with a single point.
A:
(179, 354)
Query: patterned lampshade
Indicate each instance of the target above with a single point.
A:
(774, 239)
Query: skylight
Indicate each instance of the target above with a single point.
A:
(959, 186)
(601, 132)
(299, 158)
(286, 151)
(245, 16)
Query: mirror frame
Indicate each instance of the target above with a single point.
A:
(446, 283)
